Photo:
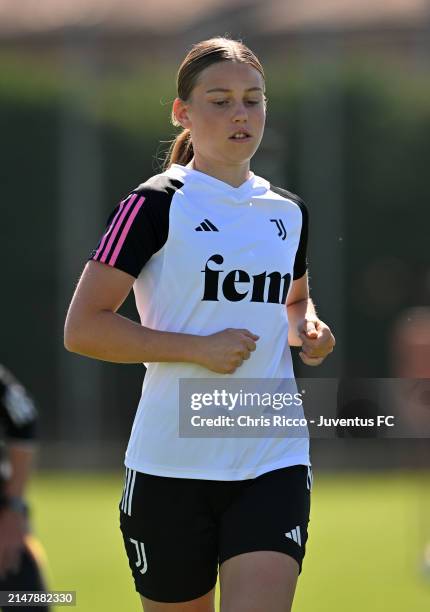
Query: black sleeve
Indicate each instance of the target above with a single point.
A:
(138, 227)
(301, 262)
(18, 413)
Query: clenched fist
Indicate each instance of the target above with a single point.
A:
(318, 341)
(225, 351)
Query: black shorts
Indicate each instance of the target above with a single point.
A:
(178, 530)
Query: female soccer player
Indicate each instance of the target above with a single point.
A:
(217, 259)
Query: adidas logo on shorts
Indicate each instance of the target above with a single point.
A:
(295, 535)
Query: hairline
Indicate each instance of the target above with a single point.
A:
(224, 89)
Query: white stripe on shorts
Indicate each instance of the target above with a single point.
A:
(130, 496)
(125, 490)
(310, 478)
(127, 494)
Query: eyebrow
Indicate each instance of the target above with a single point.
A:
(229, 90)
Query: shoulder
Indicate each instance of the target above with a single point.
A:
(149, 199)
(138, 226)
(159, 187)
(152, 197)
(294, 198)
(288, 195)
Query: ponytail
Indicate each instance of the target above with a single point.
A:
(181, 150)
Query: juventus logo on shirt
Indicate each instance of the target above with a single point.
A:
(282, 232)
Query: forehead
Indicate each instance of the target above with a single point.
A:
(229, 75)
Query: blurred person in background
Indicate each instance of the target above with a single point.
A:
(410, 352)
(20, 563)
(191, 505)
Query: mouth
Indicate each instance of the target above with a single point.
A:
(240, 136)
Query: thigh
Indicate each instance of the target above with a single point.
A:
(269, 516)
(262, 581)
(170, 538)
(206, 603)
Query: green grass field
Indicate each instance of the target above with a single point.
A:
(364, 553)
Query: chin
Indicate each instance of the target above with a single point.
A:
(242, 159)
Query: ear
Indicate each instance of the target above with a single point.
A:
(180, 110)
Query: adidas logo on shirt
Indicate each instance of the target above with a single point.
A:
(206, 226)
(295, 535)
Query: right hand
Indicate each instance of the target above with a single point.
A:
(224, 351)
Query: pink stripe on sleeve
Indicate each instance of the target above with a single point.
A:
(108, 231)
(115, 229)
(125, 231)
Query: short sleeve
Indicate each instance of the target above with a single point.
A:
(138, 227)
(132, 235)
(301, 262)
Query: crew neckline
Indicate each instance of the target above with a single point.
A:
(215, 181)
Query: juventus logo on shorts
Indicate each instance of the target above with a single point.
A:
(141, 563)
(127, 494)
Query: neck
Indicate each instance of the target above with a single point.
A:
(232, 175)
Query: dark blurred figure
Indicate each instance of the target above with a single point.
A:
(357, 399)
(19, 564)
(411, 360)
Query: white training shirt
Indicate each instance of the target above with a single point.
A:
(207, 256)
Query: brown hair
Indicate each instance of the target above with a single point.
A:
(202, 55)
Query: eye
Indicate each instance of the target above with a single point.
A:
(224, 102)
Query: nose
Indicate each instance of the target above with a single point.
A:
(240, 112)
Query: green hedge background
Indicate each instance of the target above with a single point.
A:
(368, 125)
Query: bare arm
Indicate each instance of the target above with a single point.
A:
(95, 329)
(305, 328)
(299, 307)
(13, 519)
(21, 460)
